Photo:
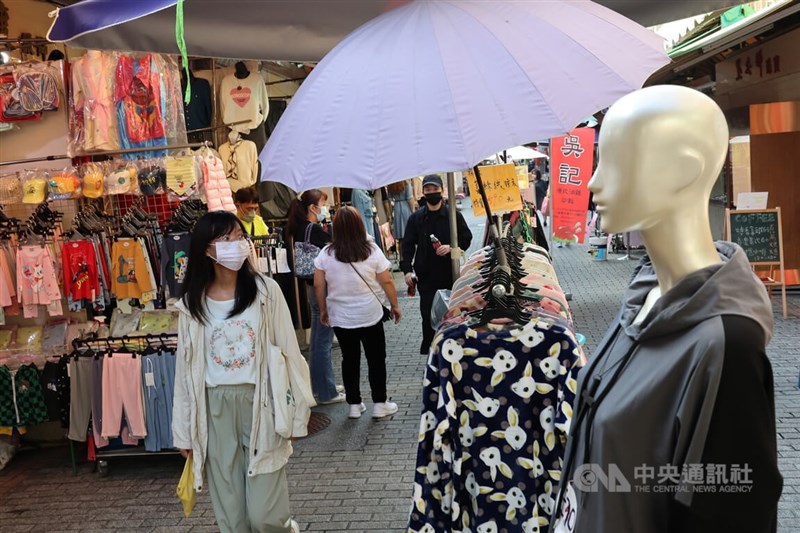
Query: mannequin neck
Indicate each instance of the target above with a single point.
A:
(680, 245)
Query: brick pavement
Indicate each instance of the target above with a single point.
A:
(356, 475)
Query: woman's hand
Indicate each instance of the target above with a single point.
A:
(396, 314)
(324, 319)
(185, 453)
(443, 250)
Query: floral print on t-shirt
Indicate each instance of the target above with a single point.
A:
(233, 344)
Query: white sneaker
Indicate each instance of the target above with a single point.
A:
(339, 388)
(295, 527)
(339, 398)
(356, 409)
(381, 410)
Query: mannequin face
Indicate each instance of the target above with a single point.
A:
(626, 199)
(660, 151)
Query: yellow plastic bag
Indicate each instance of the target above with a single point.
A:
(185, 488)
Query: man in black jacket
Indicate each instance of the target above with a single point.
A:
(431, 264)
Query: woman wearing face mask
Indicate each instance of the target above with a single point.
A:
(305, 217)
(246, 202)
(223, 413)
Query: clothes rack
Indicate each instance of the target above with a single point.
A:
(136, 344)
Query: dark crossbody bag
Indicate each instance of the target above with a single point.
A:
(387, 313)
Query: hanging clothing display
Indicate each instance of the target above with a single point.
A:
(174, 260)
(198, 112)
(95, 123)
(125, 100)
(37, 281)
(240, 160)
(498, 393)
(401, 210)
(81, 280)
(129, 272)
(244, 99)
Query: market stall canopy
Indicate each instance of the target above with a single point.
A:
(436, 86)
(279, 30)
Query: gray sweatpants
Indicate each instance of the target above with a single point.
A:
(242, 504)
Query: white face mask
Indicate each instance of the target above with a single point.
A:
(232, 254)
(323, 213)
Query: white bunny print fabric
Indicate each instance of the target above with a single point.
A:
(497, 405)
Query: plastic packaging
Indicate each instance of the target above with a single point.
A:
(122, 180)
(64, 185)
(182, 177)
(10, 189)
(93, 120)
(34, 187)
(94, 177)
(152, 177)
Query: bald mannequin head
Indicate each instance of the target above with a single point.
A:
(661, 150)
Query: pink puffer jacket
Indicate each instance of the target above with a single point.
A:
(215, 185)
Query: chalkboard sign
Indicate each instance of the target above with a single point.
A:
(758, 232)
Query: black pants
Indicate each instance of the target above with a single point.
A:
(374, 341)
(427, 293)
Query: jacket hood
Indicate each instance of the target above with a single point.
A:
(728, 288)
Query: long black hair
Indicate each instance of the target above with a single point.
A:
(200, 269)
(298, 210)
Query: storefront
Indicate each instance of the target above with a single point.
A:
(753, 72)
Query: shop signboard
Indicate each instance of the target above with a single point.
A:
(501, 186)
(571, 162)
(759, 233)
(776, 58)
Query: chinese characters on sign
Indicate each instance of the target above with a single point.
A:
(501, 186)
(571, 164)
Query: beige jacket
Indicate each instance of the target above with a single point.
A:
(270, 451)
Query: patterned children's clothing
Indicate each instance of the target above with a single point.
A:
(21, 398)
(37, 282)
(174, 260)
(129, 274)
(81, 280)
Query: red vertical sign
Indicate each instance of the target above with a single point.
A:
(571, 158)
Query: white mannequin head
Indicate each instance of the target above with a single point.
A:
(660, 151)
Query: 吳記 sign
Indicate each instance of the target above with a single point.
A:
(571, 160)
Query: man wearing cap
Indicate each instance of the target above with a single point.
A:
(431, 262)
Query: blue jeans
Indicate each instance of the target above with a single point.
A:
(323, 382)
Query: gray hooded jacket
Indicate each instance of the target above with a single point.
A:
(690, 385)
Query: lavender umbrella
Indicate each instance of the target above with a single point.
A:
(435, 86)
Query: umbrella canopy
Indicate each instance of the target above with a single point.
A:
(518, 153)
(292, 30)
(435, 86)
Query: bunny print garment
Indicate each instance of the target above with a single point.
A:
(231, 344)
(37, 283)
(497, 405)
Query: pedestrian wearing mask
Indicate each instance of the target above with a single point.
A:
(246, 202)
(430, 259)
(306, 215)
(224, 415)
(352, 277)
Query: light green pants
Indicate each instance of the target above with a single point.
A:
(242, 504)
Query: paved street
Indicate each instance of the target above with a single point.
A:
(355, 475)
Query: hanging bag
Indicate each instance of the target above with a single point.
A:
(304, 255)
(387, 313)
(185, 490)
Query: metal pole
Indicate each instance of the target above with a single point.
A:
(455, 251)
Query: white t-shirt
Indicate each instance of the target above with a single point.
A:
(351, 304)
(244, 99)
(230, 344)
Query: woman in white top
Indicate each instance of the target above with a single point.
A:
(224, 415)
(356, 275)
